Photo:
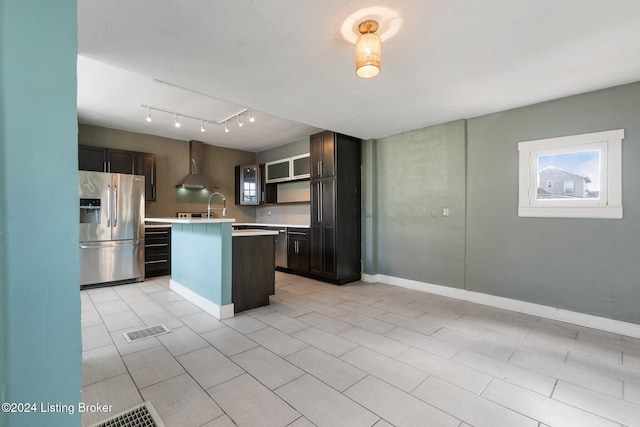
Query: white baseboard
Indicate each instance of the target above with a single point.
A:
(581, 319)
(217, 311)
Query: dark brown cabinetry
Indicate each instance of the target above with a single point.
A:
(298, 249)
(253, 272)
(102, 159)
(323, 154)
(157, 251)
(334, 250)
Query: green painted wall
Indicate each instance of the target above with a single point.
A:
(417, 174)
(584, 265)
(39, 259)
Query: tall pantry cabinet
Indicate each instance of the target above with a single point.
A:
(335, 208)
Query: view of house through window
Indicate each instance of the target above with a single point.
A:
(569, 175)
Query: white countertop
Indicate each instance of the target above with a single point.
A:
(244, 233)
(261, 224)
(191, 220)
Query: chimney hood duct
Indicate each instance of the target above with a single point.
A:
(195, 179)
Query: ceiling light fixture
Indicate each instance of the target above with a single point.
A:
(368, 48)
(177, 124)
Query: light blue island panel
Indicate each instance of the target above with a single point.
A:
(201, 263)
(201, 259)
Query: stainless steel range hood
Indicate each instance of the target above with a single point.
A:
(195, 179)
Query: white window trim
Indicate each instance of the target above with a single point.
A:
(608, 205)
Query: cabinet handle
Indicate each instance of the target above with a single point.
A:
(318, 168)
(153, 192)
(318, 204)
(321, 199)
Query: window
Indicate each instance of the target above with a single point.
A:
(577, 176)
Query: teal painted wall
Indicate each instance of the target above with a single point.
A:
(39, 261)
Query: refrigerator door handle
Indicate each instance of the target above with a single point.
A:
(108, 205)
(115, 205)
(94, 245)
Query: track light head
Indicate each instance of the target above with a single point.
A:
(202, 129)
(240, 124)
(176, 123)
(149, 114)
(251, 118)
(226, 128)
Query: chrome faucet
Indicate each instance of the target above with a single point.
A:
(224, 204)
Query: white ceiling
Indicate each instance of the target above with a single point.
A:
(288, 61)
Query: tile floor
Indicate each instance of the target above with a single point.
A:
(353, 355)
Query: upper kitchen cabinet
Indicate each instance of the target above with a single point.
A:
(146, 165)
(248, 186)
(92, 158)
(289, 169)
(102, 159)
(121, 161)
(334, 247)
(322, 147)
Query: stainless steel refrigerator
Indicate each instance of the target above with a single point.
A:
(111, 228)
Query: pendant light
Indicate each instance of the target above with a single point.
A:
(368, 47)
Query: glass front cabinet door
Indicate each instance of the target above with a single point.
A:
(248, 189)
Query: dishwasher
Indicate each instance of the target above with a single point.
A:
(281, 248)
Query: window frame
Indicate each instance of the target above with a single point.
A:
(609, 202)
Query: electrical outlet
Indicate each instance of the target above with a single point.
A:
(445, 211)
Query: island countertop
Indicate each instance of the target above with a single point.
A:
(191, 220)
(261, 224)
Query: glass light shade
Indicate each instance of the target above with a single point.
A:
(368, 47)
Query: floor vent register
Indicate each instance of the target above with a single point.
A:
(140, 334)
(139, 416)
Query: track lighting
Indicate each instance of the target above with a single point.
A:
(177, 116)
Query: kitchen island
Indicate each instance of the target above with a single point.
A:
(203, 259)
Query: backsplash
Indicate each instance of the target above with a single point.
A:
(285, 214)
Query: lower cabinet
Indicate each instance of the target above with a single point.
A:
(298, 249)
(157, 251)
(253, 274)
